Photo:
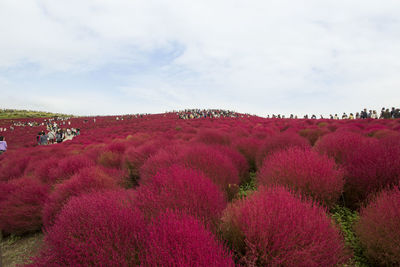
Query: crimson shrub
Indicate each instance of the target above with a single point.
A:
(180, 240)
(379, 228)
(304, 171)
(272, 227)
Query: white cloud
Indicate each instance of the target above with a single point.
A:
(253, 56)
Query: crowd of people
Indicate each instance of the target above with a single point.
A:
(56, 135)
(385, 113)
(206, 113)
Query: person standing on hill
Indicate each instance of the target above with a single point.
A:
(3, 145)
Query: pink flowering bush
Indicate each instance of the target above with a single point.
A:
(279, 142)
(99, 229)
(21, 207)
(180, 240)
(304, 171)
(272, 227)
(184, 190)
(379, 228)
(87, 180)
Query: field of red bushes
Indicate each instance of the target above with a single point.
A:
(160, 191)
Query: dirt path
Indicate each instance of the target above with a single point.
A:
(15, 250)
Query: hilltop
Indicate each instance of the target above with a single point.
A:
(19, 114)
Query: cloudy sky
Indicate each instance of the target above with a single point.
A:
(261, 57)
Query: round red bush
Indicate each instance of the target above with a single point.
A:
(379, 228)
(184, 190)
(212, 162)
(87, 180)
(369, 169)
(68, 166)
(339, 145)
(21, 208)
(180, 240)
(272, 227)
(305, 171)
(99, 229)
(279, 142)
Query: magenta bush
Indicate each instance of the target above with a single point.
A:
(99, 229)
(379, 228)
(212, 162)
(184, 190)
(369, 169)
(213, 137)
(238, 160)
(279, 142)
(305, 171)
(339, 145)
(180, 240)
(87, 180)
(272, 227)
(13, 167)
(69, 166)
(21, 208)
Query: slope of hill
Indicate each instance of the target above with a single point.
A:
(18, 114)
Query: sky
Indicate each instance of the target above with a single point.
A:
(101, 57)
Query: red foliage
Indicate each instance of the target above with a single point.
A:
(13, 167)
(21, 208)
(369, 169)
(68, 166)
(213, 137)
(379, 228)
(312, 134)
(279, 142)
(99, 229)
(213, 163)
(180, 240)
(274, 228)
(87, 180)
(249, 147)
(184, 190)
(304, 171)
(339, 145)
(238, 160)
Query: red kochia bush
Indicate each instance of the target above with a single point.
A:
(237, 159)
(180, 240)
(212, 162)
(213, 137)
(279, 142)
(379, 228)
(304, 171)
(13, 167)
(272, 227)
(21, 208)
(369, 169)
(184, 190)
(99, 229)
(87, 180)
(69, 166)
(339, 145)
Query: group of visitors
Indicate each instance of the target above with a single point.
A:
(56, 136)
(206, 113)
(394, 113)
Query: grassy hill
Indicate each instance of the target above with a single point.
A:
(19, 114)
